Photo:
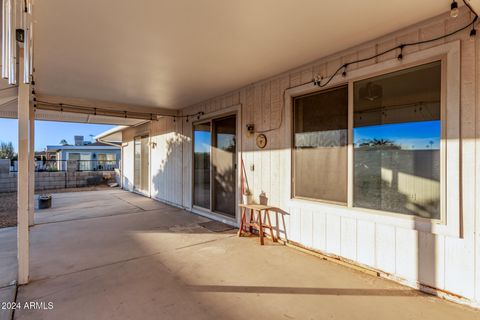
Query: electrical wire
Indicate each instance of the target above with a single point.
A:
(318, 81)
(67, 107)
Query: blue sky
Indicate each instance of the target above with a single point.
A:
(410, 135)
(202, 141)
(50, 133)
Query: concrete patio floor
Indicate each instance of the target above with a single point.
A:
(117, 255)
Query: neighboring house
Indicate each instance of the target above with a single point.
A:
(90, 156)
(357, 167)
(45, 155)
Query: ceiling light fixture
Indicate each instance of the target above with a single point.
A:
(371, 92)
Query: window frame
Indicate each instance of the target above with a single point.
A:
(207, 212)
(449, 223)
(344, 85)
(351, 155)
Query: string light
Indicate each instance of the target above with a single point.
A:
(453, 12)
(400, 55)
(107, 112)
(473, 32)
(454, 9)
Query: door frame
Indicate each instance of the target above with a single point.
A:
(142, 192)
(230, 111)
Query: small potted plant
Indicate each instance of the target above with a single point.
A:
(263, 198)
(247, 196)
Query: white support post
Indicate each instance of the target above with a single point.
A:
(31, 159)
(23, 245)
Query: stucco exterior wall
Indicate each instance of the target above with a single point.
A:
(444, 262)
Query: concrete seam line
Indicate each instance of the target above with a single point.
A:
(15, 299)
(129, 202)
(205, 242)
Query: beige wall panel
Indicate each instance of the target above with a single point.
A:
(385, 248)
(366, 242)
(406, 253)
(306, 229)
(319, 222)
(349, 238)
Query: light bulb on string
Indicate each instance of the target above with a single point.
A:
(454, 9)
(473, 32)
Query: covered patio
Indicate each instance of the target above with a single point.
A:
(358, 122)
(113, 254)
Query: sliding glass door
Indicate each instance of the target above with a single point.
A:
(215, 165)
(201, 165)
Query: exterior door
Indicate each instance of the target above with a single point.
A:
(141, 165)
(214, 165)
(224, 165)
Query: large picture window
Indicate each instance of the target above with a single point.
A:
(320, 145)
(396, 138)
(391, 153)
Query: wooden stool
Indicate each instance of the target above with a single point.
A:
(259, 225)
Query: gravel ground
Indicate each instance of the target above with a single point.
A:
(8, 203)
(8, 209)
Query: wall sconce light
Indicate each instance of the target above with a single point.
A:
(251, 128)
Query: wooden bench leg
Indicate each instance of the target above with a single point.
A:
(260, 225)
(251, 220)
(267, 214)
(243, 221)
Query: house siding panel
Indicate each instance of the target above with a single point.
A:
(445, 262)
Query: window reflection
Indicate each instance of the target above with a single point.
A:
(320, 140)
(201, 165)
(397, 141)
(224, 160)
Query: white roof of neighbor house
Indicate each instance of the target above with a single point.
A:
(172, 54)
(90, 147)
(111, 135)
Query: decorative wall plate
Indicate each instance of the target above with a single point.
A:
(261, 141)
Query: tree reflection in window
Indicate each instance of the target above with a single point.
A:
(396, 136)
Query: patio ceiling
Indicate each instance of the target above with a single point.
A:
(170, 54)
